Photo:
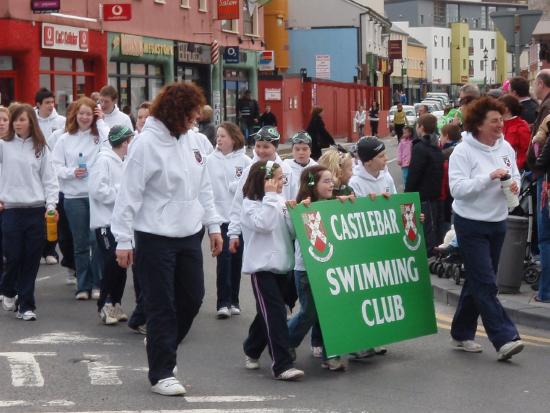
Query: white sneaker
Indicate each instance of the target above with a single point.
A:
(42, 260)
(1, 298)
(169, 387)
(290, 375)
(223, 313)
(119, 313)
(8, 303)
(96, 293)
(27, 315)
(335, 364)
(107, 314)
(251, 364)
(51, 260)
(82, 295)
(509, 349)
(235, 310)
(71, 277)
(469, 346)
(317, 352)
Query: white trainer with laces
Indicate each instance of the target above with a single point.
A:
(169, 387)
(251, 364)
(119, 313)
(27, 315)
(235, 310)
(469, 346)
(8, 303)
(509, 349)
(223, 313)
(51, 260)
(107, 314)
(96, 293)
(290, 375)
(317, 352)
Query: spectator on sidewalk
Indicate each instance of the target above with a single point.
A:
(519, 88)
(206, 125)
(359, 119)
(516, 130)
(268, 118)
(320, 136)
(374, 118)
(480, 212)
(247, 115)
(399, 121)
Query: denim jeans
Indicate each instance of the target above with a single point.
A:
(78, 215)
(543, 227)
(228, 273)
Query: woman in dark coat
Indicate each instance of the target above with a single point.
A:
(320, 137)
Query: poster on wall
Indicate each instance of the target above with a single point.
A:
(228, 9)
(322, 66)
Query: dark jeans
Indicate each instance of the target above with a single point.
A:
(114, 276)
(65, 238)
(398, 131)
(374, 127)
(543, 227)
(269, 326)
(49, 247)
(23, 240)
(228, 273)
(433, 223)
(172, 279)
(480, 244)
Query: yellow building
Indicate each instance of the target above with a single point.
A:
(460, 70)
(276, 34)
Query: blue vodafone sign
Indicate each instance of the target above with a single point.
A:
(231, 54)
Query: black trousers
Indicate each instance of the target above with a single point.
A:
(172, 282)
(269, 326)
(114, 276)
(65, 236)
(23, 239)
(399, 131)
(374, 127)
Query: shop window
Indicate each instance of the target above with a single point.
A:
(250, 20)
(203, 5)
(45, 81)
(230, 26)
(62, 64)
(45, 63)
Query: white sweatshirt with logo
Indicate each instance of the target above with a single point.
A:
(296, 171)
(51, 124)
(234, 229)
(27, 180)
(476, 196)
(66, 159)
(268, 235)
(363, 183)
(117, 117)
(165, 188)
(103, 186)
(225, 172)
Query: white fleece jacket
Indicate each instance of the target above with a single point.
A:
(295, 173)
(117, 117)
(363, 183)
(225, 172)
(476, 196)
(103, 184)
(50, 124)
(165, 188)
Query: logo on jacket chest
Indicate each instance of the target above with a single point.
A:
(507, 161)
(285, 179)
(238, 171)
(198, 157)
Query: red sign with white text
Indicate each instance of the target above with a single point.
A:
(228, 9)
(117, 12)
(55, 36)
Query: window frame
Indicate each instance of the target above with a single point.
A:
(184, 4)
(203, 6)
(255, 23)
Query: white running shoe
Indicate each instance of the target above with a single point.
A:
(235, 310)
(82, 295)
(169, 387)
(96, 293)
(251, 364)
(317, 352)
(290, 375)
(51, 260)
(469, 346)
(27, 315)
(42, 260)
(119, 313)
(509, 349)
(71, 277)
(107, 314)
(8, 303)
(1, 298)
(223, 313)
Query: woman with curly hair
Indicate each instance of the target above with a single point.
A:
(476, 168)
(166, 197)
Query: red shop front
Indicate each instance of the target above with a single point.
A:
(71, 61)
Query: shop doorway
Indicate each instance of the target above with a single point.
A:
(7, 88)
(234, 85)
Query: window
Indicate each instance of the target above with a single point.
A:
(471, 67)
(481, 67)
(481, 44)
(160, 1)
(435, 41)
(442, 64)
(250, 19)
(442, 41)
(494, 65)
(230, 26)
(483, 18)
(421, 19)
(435, 63)
(492, 44)
(452, 13)
(463, 41)
(448, 63)
(184, 4)
(471, 42)
(448, 41)
(463, 64)
(203, 5)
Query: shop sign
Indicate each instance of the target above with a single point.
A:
(395, 49)
(194, 53)
(322, 66)
(59, 37)
(117, 12)
(131, 45)
(45, 6)
(371, 283)
(231, 54)
(228, 9)
(266, 60)
(273, 94)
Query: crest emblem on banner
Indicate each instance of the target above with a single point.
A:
(411, 237)
(320, 249)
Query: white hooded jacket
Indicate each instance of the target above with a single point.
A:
(50, 124)
(296, 171)
(476, 196)
(225, 172)
(103, 185)
(363, 183)
(165, 188)
(117, 117)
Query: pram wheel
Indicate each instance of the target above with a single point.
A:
(531, 275)
(457, 274)
(449, 270)
(432, 267)
(439, 269)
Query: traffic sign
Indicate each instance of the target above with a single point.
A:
(117, 12)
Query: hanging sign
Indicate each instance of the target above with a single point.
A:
(228, 9)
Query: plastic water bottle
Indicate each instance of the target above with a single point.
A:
(511, 199)
(51, 226)
(82, 163)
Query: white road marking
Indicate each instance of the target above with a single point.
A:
(101, 372)
(233, 399)
(43, 278)
(25, 371)
(14, 403)
(65, 337)
(60, 403)
(255, 410)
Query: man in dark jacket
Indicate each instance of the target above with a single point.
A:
(519, 87)
(426, 176)
(247, 114)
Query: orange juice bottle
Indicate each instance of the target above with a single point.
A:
(51, 226)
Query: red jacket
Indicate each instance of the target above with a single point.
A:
(517, 133)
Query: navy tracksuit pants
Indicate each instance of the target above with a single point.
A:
(114, 276)
(172, 282)
(480, 244)
(23, 241)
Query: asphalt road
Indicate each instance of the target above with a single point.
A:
(67, 361)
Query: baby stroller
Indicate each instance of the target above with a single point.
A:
(448, 261)
(527, 208)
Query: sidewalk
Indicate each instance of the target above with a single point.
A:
(521, 308)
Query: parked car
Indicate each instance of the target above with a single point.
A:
(441, 95)
(410, 113)
(433, 108)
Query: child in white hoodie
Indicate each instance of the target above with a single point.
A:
(104, 184)
(301, 159)
(225, 166)
(268, 257)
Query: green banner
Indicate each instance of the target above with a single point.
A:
(368, 271)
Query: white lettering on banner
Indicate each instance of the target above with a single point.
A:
(360, 277)
(25, 371)
(383, 310)
(356, 225)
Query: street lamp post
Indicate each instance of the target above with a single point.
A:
(403, 75)
(485, 58)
